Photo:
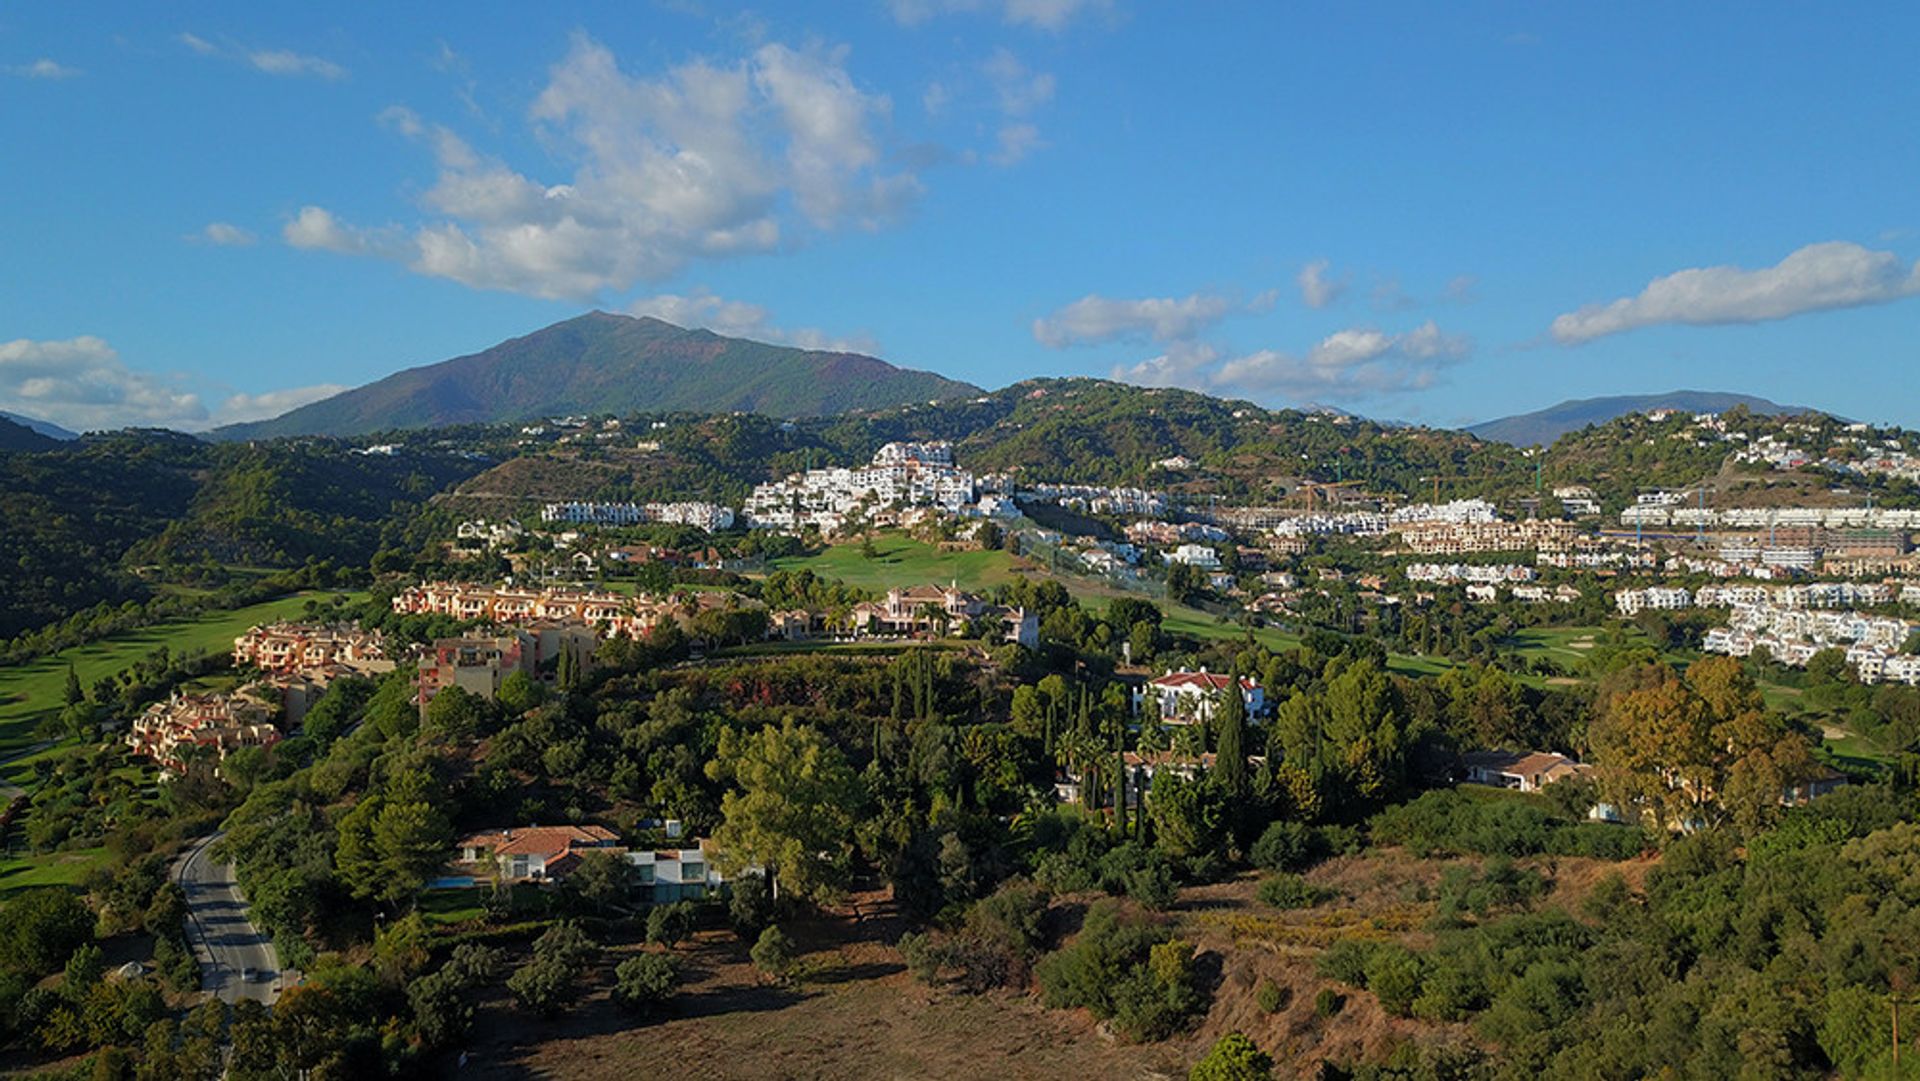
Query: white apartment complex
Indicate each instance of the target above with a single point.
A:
(711, 517)
(901, 475)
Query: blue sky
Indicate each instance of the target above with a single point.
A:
(1435, 212)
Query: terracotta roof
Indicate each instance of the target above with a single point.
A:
(1157, 759)
(548, 841)
(1522, 763)
(1217, 681)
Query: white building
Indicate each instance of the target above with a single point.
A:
(1185, 697)
(1194, 555)
(901, 475)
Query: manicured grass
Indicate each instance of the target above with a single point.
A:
(1568, 645)
(902, 561)
(32, 692)
(446, 907)
(52, 869)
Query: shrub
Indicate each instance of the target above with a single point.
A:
(1288, 846)
(1328, 1002)
(1159, 998)
(1499, 885)
(1346, 962)
(1270, 996)
(1107, 950)
(667, 925)
(1394, 974)
(645, 983)
(1289, 891)
(750, 906)
(1233, 1058)
(773, 953)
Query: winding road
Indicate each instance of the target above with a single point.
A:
(224, 941)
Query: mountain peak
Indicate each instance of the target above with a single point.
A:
(1543, 426)
(605, 362)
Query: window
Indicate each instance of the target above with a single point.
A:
(693, 872)
(646, 874)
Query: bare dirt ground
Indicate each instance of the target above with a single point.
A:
(852, 1011)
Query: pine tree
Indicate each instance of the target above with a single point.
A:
(74, 693)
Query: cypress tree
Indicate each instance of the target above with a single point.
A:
(1231, 741)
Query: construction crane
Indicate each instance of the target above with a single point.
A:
(1327, 491)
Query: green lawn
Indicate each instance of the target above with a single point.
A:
(31, 692)
(53, 869)
(902, 561)
(1567, 645)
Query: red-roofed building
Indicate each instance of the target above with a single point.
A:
(1190, 697)
(1528, 771)
(533, 852)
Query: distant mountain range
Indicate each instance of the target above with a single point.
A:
(15, 436)
(1544, 426)
(603, 363)
(46, 428)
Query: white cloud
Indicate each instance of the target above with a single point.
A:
(1016, 141)
(80, 383)
(1018, 89)
(1041, 14)
(316, 228)
(1316, 289)
(936, 98)
(740, 319)
(282, 62)
(1818, 277)
(287, 62)
(240, 408)
(43, 68)
(1093, 319)
(1350, 365)
(225, 235)
(705, 160)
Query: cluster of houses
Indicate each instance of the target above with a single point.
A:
(293, 663)
(1448, 537)
(901, 475)
(1806, 595)
(1673, 512)
(711, 517)
(188, 726)
(1792, 636)
(1491, 573)
(297, 661)
(1098, 499)
(1597, 554)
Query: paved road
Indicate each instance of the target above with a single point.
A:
(225, 943)
(8, 789)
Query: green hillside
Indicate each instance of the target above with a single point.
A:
(603, 363)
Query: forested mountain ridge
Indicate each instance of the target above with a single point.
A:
(82, 517)
(1543, 426)
(605, 363)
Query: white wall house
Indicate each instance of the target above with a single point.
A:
(1190, 697)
